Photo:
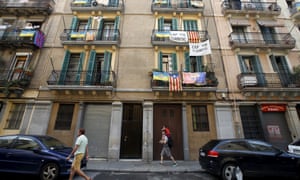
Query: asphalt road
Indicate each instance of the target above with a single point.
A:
(123, 176)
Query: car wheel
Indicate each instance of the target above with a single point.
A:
(49, 171)
(232, 171)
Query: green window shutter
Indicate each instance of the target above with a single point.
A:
(190, 25)
(89, 24)
(187, 62)
(161, 24)
(174, 62)
(79, 70)
(199, 63)
(275, 67)
(74, 23)
(64, 69)
(174, 24)
(100, 29)
(160, 63)
(116, 27)
(242, 64)
(106, 70)
(189, 3)
(258, 71)
(91, 66)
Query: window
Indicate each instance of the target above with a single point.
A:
(15, 116)
(193, 63)
(25, 144)
(238, 34)
(108, 31)
(99, 68)
(20, 63)
(200, 118)
(240, 146)
(167, 62)
(72, 68)
(64, 117)
(6, 141)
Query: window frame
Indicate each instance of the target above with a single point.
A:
(198, 121)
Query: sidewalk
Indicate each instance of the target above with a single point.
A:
(142, 166)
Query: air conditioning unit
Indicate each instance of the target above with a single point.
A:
(248, 80)
(249, 6)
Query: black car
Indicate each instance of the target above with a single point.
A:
(39, 155)
(238, 158)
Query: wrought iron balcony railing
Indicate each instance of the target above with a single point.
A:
(105, 36)
(14, 81)
(259, 40)
(82, 78)
(90, 5)
(178, 37)
(209, 81)
(12, 37)
(190, 6)
(251, 7)
(268, 80)
(30, 7)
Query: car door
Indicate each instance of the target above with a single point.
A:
(5, 143)
(272, 161)
(21, 156)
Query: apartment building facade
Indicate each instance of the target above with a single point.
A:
(123, 69)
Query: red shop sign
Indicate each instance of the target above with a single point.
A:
(273, 107)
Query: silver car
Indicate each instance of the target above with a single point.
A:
(294, 147)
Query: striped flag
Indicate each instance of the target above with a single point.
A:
(175, 82)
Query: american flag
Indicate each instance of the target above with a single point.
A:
(175, 82)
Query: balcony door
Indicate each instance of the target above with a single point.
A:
(251, 64)
(268, 34)
(72, 68)
(20, 63)
(280, 66)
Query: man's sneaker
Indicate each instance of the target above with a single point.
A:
(174, 164)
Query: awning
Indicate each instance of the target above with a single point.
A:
(269, 23)
(239, 22)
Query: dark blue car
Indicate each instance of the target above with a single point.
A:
(39, 155)
(240, 158)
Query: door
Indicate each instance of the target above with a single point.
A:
(132, 131)
(276, 129)
(97, 124)
(169, 115)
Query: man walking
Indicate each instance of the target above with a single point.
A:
(80, 149)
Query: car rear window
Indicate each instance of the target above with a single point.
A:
(210, 145)
(236, 145)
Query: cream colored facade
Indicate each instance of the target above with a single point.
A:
(133, 48)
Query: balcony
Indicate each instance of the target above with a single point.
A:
(268, 84)
(97, 5)
(209, 83)
(82, 81)
(28, 8)
(295, 12)
(187, 6)
(257, 40)
(14, 81)
(250, 8)
(20, 38)
(90, 37)
(177, 38)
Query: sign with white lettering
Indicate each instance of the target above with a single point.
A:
(200, 49)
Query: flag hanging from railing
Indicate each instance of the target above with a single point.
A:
(175, 82)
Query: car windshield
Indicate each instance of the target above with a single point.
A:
(51, 142)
